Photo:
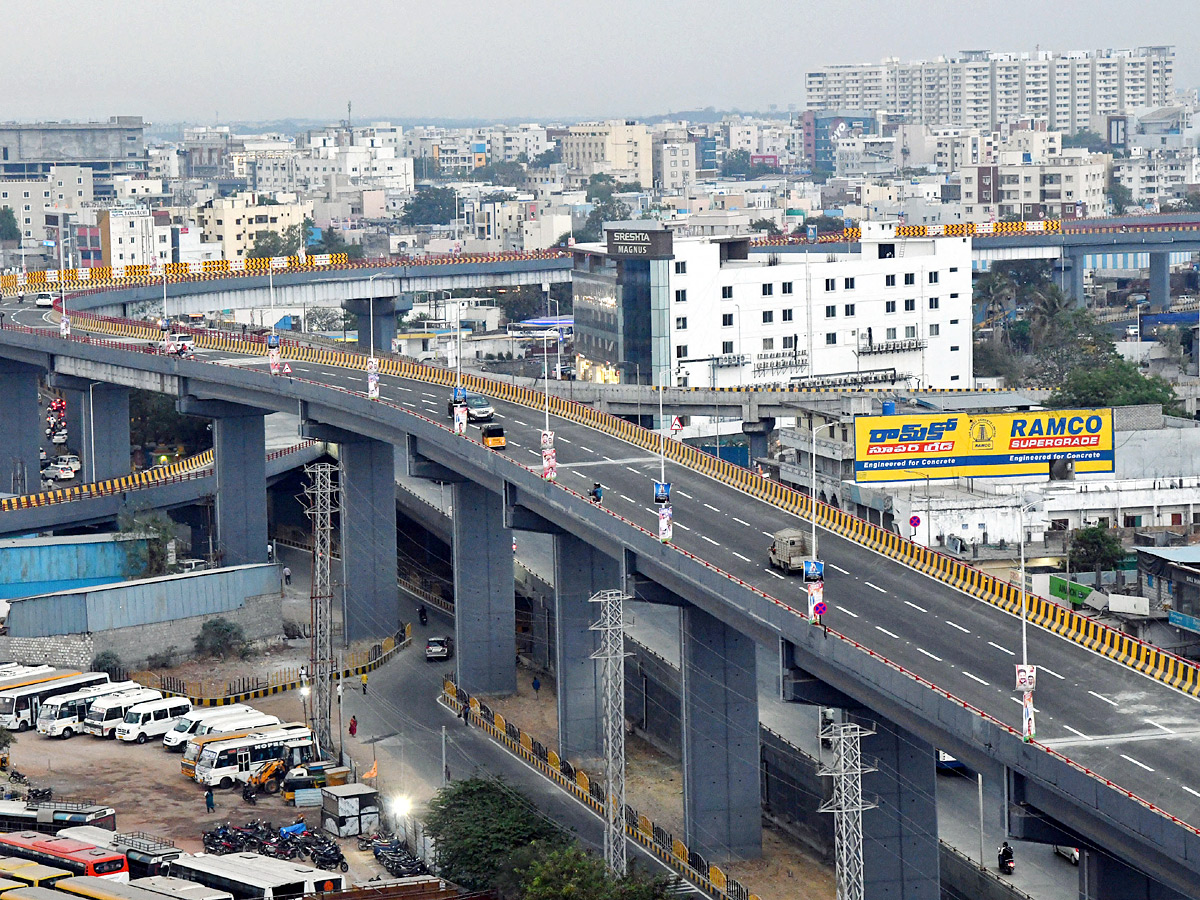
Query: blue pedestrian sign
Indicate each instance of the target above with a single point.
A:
(272, 341)
(662, 492)
(460, 393)
(812, 232)
(814, 570)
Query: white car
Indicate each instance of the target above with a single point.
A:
(44, 299)
(69, 459)
(59, 437)
(63, 473)
(439, 648)
(1070, 854)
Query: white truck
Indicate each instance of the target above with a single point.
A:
(789, 549)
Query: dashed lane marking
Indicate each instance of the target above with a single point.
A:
(776, 574)
(847, 612)
(877, 587)
(1163, 727)
(710, 506)
(739, 556)
(976, 678)
(710, 540)
(1136, 762)
(930, 655)
(888, 633)
(1102, 697)
(1001, 649)
(837, 568)
(914, 606)
(1077, 733)
(742, 522)
(959, 627)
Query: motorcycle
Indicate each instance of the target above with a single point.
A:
(422, 615)
(1005, 861)
(17, 778)
(249, 794)
(596, 494)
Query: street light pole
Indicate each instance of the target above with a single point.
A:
(371, 283)
(812, 485)
(662, 437)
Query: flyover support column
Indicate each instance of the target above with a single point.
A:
(757, 432)
(484, 599)
(21, 436)
(383, 317)
(580, 570)
(368, 501)
(1160, 281)
(1104, 877)
(900, 836)
(97, 425)
(722, 804)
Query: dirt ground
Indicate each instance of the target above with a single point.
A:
(654, 784)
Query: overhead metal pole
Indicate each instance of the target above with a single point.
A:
(322, 505)
(611, 655)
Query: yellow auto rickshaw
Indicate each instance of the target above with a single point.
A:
(493, 437)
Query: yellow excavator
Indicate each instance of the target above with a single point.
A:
(270, 776)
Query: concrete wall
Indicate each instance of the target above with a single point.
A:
(962, 879)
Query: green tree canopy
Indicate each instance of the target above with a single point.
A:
(547, 158)
(738, 162)
(332, 242)
(430, 206)
(571, 873)
(606, 211)
(600, 188)
(824, 224)
(1088, 140)
(477, 825)
(767, 225)
(268, 244)
(1095, 548)
(1116, 383)
(1119, 196)
(154, 420)
(9, 229)
(501, 172)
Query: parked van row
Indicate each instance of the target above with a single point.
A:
(203, 721)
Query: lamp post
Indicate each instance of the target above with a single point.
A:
(1024, 598)
(371, 284)
(812, 496)
(926, 476)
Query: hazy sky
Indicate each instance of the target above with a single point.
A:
(194, 60)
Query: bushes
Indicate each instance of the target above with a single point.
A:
(163, 660)
(221, 638)
(108, 662)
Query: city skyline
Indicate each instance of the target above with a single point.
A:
(232, 61)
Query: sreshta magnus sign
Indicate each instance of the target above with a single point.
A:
(956, 445)
(639, 244)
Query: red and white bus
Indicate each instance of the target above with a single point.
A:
(66, 853)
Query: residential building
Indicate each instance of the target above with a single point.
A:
(234, 221)
(63, 187)
(1158, 176)
(510, 144)
(109, 148)
(674, 165)
(1071, 186)
(131, 236)
(619, 148)
(709, 312)
(981, 89)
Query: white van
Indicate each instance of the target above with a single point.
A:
(177, 737)
(229, 724)
(152, 719)
(108, 712)
(63, 716)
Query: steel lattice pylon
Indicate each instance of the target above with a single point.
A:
(611, 655)
(847, 804)
(321, 507)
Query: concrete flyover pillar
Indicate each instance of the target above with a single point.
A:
(484, 598)
(900, 836)
(757, 431)
(22, 434)
(580, 570)
(97, 425)
(368, 501)
(1104, 877)
(383, 317)
(239, 450)
(1074, 271)
(722, 806)
(1160, 281)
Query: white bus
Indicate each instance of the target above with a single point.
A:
(249, 876)
(63, 716)
(223, 763)
(152, 719)
(19, 706)
(179, 889)
(251, 721)
(107, 712)
(187, 725)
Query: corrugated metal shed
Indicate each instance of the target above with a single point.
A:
(162, 599)
(33, 565)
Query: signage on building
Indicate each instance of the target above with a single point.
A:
(957, 445)
(1116, 131)
(639, 244)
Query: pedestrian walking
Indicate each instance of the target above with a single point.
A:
(462, 713)
(209, 803)
(339, 692)
(364, 683)
(287, 575)
(537, 686)
(353, 726)
(270, 553)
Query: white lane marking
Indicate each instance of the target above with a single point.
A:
(630, 499)
(563, 439)
(1021, 703)
(429, 403)
(498, 415)
(410, 390)
(610, 459)
(888, 633)
(427, 394)
(742, 522)
(682, 494)
(877, 587)
(959, 627)
(1190, 791)
(739, 556)
(776, 574)
(1102, 697)
(914, 606)
(1077, 732)
(847, 612)
(580, 474)
(710, 540)
(1002, 649)
(409, 403)
(930, 655)
(1163, 727)
(1136, 763)
(838, 568)
(768, 534)
(1042, 668)
(537, 453)
(515, 444)
(713, 508)
(628, 469)
(588, 449)
(680, 525)
(975, 678)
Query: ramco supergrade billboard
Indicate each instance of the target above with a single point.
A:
(957, 445)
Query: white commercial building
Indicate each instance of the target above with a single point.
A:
(1069, 186)
(674, 165)
(234, 221)
(713, 312)
(1158, 176)
(65, 187)
(619, 148)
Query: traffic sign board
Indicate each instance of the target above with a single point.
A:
(819, 607)
(914, 521)
(677, 424)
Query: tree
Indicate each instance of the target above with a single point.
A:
(9, 230)
(1088, 140)
(825, 224)
(500, 172)
(1119, 196)
(153, 420)
(107, 661)
(324, 318)
(993, 291)
(332, 242)
(221, 638)
(7, 739)
(1188, 203)
(606, 211)
(269, 244)
(430, 206)
(739, 162)
(1095, 549)
(553, 873)
(478, 824)
(767, 225)
(1116, 383)
(547, 158)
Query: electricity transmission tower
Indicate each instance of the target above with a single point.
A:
(847, 804)
(322, 504)
(611, 655)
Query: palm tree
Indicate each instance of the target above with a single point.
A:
(1047, 305)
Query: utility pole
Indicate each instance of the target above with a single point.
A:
(847, 804)
(322, 505)
(611, 655)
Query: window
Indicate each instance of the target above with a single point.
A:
(727, 320)
(831, 284)
(891, 334)
(830, 338)
(787, 315)
(910, 305)
(768, 316)
(954, 268)
(935, 330)
(889, 280)
(680, 267)
(726, 346)
(910, 331)
(680, 351)
(933, 302)
(954, 296)
(768, 290)
(910, 278)
(831, 312)
(787, 287)
(954, 348)
(681, 323)
(933, 277)
(954, 321)
(681, 296)
(789, 342)
(768, 343)
(848, 284)
(727, 292)
(889, 306)
(849, 309)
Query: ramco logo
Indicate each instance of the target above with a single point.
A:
(934, 431)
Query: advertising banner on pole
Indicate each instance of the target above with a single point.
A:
(666, 527)
(550, 464)
(372, 366)
(460, 419)
(547, 439)
(64, 326)
(1028, 729)
(1026, 678)
(816, 601)
(662, 492)
(273, 356)
(373, 385)
(957, 445)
